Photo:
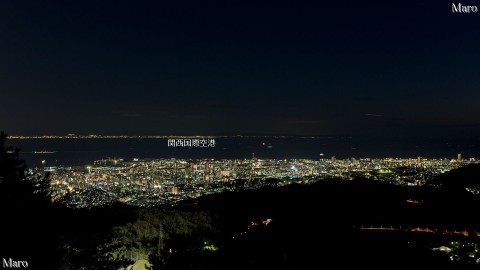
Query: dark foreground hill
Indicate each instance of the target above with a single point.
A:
(467, 176)
(319, 226)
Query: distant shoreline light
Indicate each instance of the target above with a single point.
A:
(73, 136)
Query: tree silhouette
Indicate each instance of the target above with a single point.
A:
(12, 174)
(18, 188)
(24, 197)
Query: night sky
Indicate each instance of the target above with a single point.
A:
(372, 69)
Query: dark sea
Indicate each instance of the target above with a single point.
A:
(79, 152)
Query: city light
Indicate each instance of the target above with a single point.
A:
(151, 182)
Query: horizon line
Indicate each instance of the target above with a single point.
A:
(75, 136)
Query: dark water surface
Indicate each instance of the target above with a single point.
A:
(84, 151)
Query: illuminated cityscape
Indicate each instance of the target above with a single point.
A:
(168, 181)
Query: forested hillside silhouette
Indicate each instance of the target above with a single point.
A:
(27, 214)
